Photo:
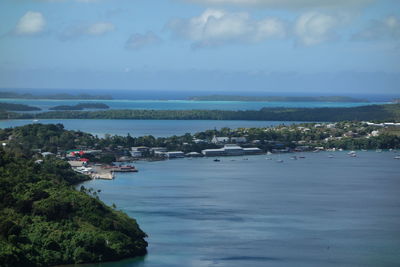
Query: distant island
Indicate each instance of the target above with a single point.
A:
(278, 98)
(81, 106)
(385, 112)
(55, 96)
(17, 107)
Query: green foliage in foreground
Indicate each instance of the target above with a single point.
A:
(389, 112)
(44, 221)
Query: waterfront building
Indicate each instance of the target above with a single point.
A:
(175, 154)
(193, 155)
(230, 150)
(233, 150)
(252, 150)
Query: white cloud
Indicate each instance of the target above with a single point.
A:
(314, 28)
(385, 29)
(138, 41)
(286, 3)
(94, 29)
(99, 28)
(31, 23)
(216, 27)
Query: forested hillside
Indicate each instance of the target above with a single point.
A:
(44, 221)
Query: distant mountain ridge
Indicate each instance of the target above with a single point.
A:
(278, 98)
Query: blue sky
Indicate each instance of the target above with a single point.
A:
(320, 46)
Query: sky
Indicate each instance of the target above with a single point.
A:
(315, 46)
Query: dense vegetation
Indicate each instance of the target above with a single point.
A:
(277, 98)
(44, 221)
(54, 96)
(389, 112)
(81, 106)
(17, 107)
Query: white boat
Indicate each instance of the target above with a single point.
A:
(330, 156)
(397, 157)
(351, 153)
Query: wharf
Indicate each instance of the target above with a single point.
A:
(120, 169)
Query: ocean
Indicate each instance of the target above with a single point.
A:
(249, 211)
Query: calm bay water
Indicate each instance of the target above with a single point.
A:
(158, 128)
(317, 211)
(182, 104)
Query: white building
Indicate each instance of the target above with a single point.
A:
(231, 150)
(175, 154)
(213, 152)
(220, 140)
(252, 150)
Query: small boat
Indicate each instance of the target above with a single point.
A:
(217, 160)
(378, 150)
(35, 120)
(330, 156)
(268, 158)
(302, 157)
(351, 153)
(279, 160)
(294, 157)
(397, 157)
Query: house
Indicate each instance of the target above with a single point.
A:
(139, 151)
(157, 150)
(220, 140)
(136, 154)
(140, 148)
(238, 140)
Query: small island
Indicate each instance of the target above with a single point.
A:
(55, 96)
(17, 107)
(385, 112)
(81, 106)
(344, 99)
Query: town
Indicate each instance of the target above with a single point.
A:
(100, 158)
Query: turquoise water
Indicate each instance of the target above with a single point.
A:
(183, 104)
(158, 128)
(317, 211)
